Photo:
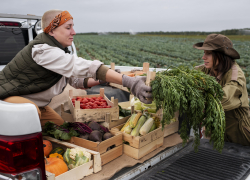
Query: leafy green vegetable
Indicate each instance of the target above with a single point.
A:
(136, 103)
(64, 132)
(150, 107)
(196, 94)
(124, 112)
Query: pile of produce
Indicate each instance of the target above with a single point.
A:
(59, 161)
(123, 112)
(91, 102)
(90, 131)
(76, 157)
(136, 73)
(140, 124)
(198, 96)
(139, 106)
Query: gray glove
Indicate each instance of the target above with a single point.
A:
(138, 88)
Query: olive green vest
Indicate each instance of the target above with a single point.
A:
(22, 75)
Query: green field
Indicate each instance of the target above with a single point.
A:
(161, 51)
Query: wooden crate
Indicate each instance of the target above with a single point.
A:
(106, 156)
(102, 147)
(168, 129)
(93, 166)
(98, 115)
(144, 70)
(68, 117)
(141, 152)
(140, 146)
(139, 141)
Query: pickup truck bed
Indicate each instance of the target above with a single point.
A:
(232, 163)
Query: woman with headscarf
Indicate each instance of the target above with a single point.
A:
(43, 68)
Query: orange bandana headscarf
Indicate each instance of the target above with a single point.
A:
(59, 20)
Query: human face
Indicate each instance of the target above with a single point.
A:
(208, 59)
(64, 33)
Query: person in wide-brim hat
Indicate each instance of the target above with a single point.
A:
(220, 43)
(219, 61)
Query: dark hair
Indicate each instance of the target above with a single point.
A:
(225, 62)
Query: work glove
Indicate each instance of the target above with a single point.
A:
(138, 88)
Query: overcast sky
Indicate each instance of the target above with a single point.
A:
(142, 15)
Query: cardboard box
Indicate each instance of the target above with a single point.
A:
(93, 166)
(98, 115)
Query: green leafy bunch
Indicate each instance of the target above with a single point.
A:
(64, 132)
(197, 95)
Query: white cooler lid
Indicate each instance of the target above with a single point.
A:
(18, 119)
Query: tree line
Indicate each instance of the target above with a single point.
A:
(245, 31)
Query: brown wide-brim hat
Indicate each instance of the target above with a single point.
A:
(218, 42)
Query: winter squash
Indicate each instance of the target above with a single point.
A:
(55, 165)
(56, 155)
(47, 147)
(58, 150)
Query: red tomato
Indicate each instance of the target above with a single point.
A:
(85, 101)
(82, 106)
(103, 103)
(100, 97)
(78, 98)
(103, 100)
(97, 102)
(108, 106)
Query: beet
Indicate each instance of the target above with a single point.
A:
(94, 126)
(107, 135)
(95, 136)
(84, 136)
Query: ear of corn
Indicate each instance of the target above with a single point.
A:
(146, 126)
(127, 130)
(153, 127)
(141, 121)
(134, 120)
(157, 122)
(127, 123)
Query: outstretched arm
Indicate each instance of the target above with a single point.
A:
(135, 84)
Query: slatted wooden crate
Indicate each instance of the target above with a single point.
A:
(93, 166)
(101, 147)
(140, 146)
(168, 129)
(137, 72)
(107, 154)
(98, 115)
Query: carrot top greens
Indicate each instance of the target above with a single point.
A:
(198, 96)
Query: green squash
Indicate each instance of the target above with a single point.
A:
(58, 150)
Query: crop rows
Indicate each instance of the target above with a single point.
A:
(160, 52)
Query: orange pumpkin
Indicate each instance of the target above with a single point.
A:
(47, 147)
(55, 165)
